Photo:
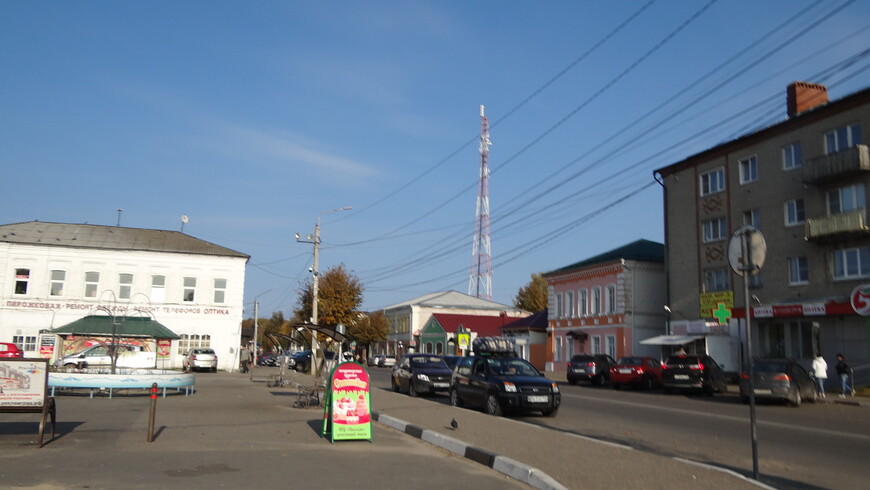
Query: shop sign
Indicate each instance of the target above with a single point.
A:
(860, 299)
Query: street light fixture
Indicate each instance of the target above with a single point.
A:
(315, 281)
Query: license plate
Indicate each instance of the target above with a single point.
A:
(537, 399)
(441, 385)
(625, 371)
(762, 391)
(681, 376)
(579, 370)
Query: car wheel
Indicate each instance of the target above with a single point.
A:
(795, 398)
(666, 390)
(572, 381)
(412, 390)
(648, 384)
(454, 398)
(708, 390)
(395, 384)
(550, 413)
(492, 406)
(617, 386)
(598, 380)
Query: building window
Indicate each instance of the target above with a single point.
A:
(58, 278)
(569, 304)
(714, 230)
(842, 138)
(569, 348)
(559, 310)
(595, 306)
(715, 280)
(798, 271)
(794, 212)
(596, 344)
(846, 199)
(92, 284)
(158, 289)
(220, 290)
(583, 300)
(611, 346)
(189, 289)
(557, 353)
(850, 263)
(611, 299)
(25, 342)
(125, 286)
(22, 279)
(748, 170)
(792, 156)
(713, 182)
(755, 280)
(752, 217)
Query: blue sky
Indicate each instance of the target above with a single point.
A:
(252, 118)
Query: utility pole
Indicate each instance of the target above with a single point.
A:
(480, 274)
(251, 369)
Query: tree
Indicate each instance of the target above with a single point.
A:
(340, 294)
(533, 296)
(369, 328)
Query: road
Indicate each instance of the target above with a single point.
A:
(818, 445)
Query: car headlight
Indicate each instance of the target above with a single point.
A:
(510, 387)
(555, 388)
(422, 377)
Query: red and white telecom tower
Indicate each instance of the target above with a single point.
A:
(480, 275)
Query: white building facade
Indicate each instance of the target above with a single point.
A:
(52, 274)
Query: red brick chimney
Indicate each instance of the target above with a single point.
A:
(803, 96)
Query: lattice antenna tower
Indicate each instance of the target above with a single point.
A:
(480, 275)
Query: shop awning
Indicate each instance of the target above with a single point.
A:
(121, 326)
(671, 339)
(578, 334)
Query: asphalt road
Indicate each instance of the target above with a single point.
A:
(821, 445)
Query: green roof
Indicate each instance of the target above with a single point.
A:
(127, 326)
(640, 250)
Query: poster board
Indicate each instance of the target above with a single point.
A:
(347, 404)
(23, 384)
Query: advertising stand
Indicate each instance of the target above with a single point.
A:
(347, 404)
(24, 388)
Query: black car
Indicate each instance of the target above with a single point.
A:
(499, 381)
(693, 372)
(301, 361)
(778, 379)
(420, 374)
(594, 368)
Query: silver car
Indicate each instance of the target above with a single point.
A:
(200, 359)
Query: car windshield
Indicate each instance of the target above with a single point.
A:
(631, 361)
(511, 367)
(428, 362)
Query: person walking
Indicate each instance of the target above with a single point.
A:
(245, 358)
(820, 372)
(844, 371)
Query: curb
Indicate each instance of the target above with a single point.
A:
(504, 465)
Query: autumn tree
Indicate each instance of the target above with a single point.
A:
(368, 329)
(533, 296)
(340, 294)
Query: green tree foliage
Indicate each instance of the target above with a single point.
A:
(533, 296)
(340, 295)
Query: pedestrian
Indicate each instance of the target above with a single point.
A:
(245, 356)
(820, 372)
(844, 371)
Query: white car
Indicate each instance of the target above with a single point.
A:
(386, 361)
(129, 356)
(198, 359)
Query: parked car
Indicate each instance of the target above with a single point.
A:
(100, 355)
(200, 359)
(451, 361)
(594, 368)
(497, 380)
(267, 360)
(693, 372)
(386, 361)
(778, 379)
(8, 350)
(373, 361)
(421, 374)
(643, 372)
(301, 361)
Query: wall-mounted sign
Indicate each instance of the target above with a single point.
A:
(710, 302)
(860, 299)
(347, 405)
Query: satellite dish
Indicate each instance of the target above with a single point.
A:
(184, 218)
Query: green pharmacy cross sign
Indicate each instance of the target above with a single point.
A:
(722, 314)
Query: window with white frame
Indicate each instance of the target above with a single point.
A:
(852, 263)
(842, 138)
(583, 303)
(714, 230)
(194, 341)
(596, 344)
(748, 169)
(92, 284)
(713, 181)
(25, 342)
(559, 310)
(595, 305)
(752, 217)
(846, 199)
(569, 348)
(715, 280)
(189, 289)
(22, 280)
(58, 279)
(220, 290)
(557, 352)
(125, 285)
(158, 289)
(611, 299)
(611, 345)
(798, 271)
(569, 304)
(792, 156)
(794, 212)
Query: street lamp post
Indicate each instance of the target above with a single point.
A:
(315, 281)
(256, 313)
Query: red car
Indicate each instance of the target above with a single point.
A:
(10, 350)
(644, 372)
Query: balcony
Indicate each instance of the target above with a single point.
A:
(838, 165)
(838, 226)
